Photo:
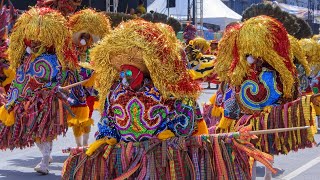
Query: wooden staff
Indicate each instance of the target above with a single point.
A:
(259, 132)
(74, 85)
(232, 134)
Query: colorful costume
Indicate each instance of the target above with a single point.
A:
(302, 65)
(87, 27)
(261, 85)
(6, 74)
(200, 64)
(312, 51)
(40, 51)
(146, 97)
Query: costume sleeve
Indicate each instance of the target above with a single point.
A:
(186, 118)
(106, 126)
(16, 88)
(231, 109)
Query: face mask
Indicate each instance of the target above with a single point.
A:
(83, 42)
(124, 75)
(131, 76)
(29, 50)
(250, 59)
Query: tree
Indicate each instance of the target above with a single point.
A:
(295, 26)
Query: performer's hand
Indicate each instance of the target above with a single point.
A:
(165, 135)
(95, 145)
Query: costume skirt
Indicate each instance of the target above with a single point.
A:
(41, 117)
(197, 157)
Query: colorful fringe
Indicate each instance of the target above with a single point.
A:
(42, 117)
(198, 157)
(293, 114)
(300, 112)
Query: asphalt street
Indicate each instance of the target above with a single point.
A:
(19, 164)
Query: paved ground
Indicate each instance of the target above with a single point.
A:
(18, 164)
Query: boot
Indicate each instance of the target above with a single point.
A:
(78, 141)
(40, 147)
(43, 166)
(50, 159)
(254, 170)
(85, 139)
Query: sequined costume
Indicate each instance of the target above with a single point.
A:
(138, 116)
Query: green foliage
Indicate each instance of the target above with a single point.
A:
(289, 21)
(305, 30)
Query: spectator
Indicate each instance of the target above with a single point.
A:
(141, 9)
(133, 12)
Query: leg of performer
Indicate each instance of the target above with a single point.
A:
(51, 159)
(254, 170)
(40, 147)
(268, 174)
(77, 135)
(43, 166)
(86, 135)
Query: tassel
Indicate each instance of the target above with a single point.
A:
(6, 118)
(10, 74)
(225, 123)
(216, 110)
(90, 82)
(96, 105)
(201, 128)
(81, 116)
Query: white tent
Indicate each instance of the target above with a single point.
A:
(214, 11)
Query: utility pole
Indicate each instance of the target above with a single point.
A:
(194, 12)
(189, 9)
(168, 5)
(311, 13)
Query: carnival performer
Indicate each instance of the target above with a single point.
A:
(312, 51)
(259, 83)
(88, 27)
(40, 51)
(302, 66)
(136, 86)
(151, 127)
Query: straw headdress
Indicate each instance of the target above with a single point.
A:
(312, 51)
(261, 37)
(46, 26)
(89, 21)
(153, 47)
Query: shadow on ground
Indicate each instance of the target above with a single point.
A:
(27, 164)
(260, 170)
(15, 175)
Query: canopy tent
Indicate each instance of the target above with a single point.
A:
(214, 11)
(300, 12)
